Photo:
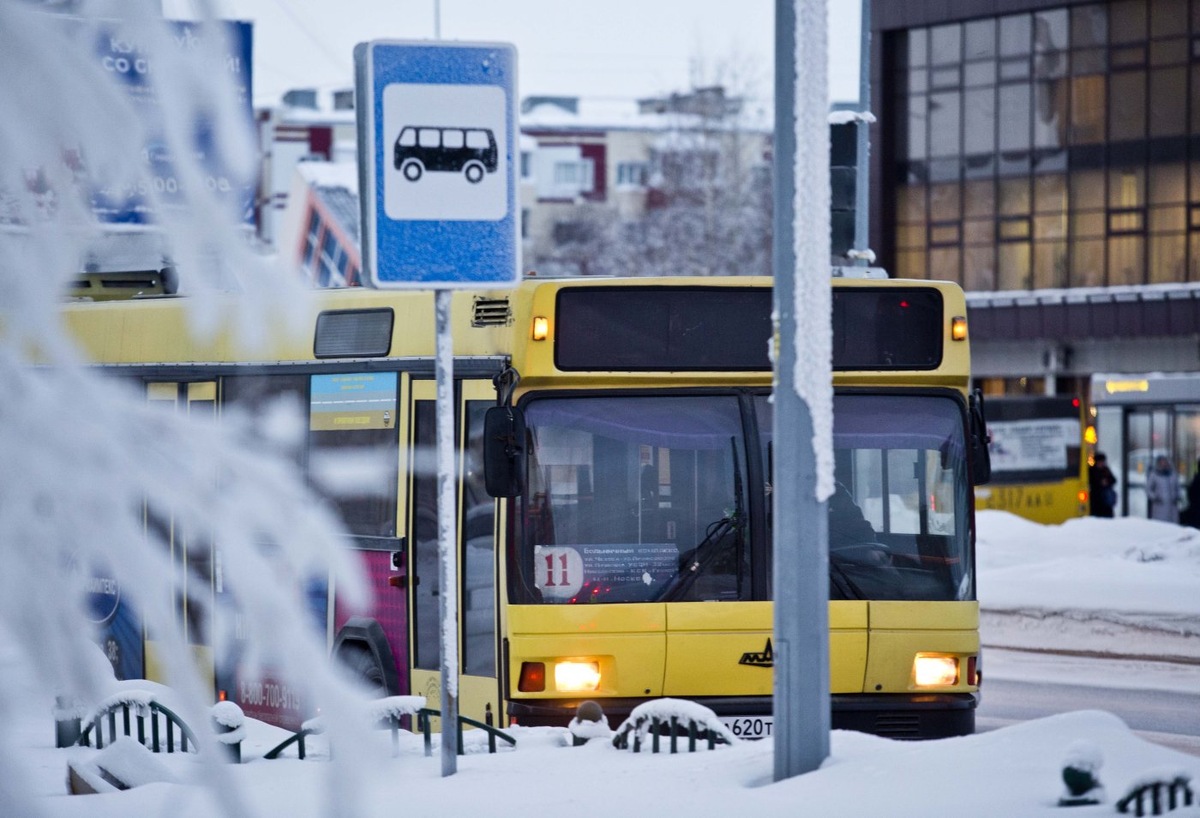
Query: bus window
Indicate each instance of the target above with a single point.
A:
(479, 589)
(353, 446)
(898, 524)
(427, 645)
(635, 499)
(478, 140)
(429, 138)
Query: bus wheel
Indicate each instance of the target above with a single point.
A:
(412, 170)
(474, 172)
(364, 667)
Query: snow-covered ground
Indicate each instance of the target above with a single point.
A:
(1123, 587)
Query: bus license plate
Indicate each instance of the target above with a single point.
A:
(749, 726)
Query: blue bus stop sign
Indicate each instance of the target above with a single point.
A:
(437, 169)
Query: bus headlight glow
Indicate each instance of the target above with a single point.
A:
(935, 670)
(541, 328)
(576, 676)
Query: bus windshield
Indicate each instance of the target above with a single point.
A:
(650, 498)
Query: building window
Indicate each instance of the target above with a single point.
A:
(632, 174)
(1131, 220)
(945, 234)
(577, 174)
(1049, 148)
(311, 237)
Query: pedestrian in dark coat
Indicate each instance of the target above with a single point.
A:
(1102, 486)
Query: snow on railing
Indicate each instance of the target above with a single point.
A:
(672, 717)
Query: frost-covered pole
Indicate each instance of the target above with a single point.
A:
(862, 241)
(447, 536)
(803, 477)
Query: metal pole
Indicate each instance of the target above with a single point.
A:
(801, 263)
(862, 240)
(447, 534)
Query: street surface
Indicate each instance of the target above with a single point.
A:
(1158, 700)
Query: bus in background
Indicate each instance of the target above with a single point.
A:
(625, 427)
(1039, 458)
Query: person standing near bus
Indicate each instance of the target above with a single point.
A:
(1191, 514)
(1102, 486)
(1162, 490)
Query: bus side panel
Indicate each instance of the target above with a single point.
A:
(1044, 503)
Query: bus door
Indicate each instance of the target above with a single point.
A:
(191, 550)
(478, 683)
(358, 418)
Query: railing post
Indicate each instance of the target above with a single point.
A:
(228, 723)
(68, 723)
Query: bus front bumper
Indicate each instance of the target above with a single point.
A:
(901, 716)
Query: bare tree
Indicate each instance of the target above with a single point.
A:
(708, 208)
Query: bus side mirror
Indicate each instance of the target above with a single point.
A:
(503, 451)
(981, 455)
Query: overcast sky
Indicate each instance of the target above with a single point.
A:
(617, 48)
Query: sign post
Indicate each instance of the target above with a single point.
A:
(436, 144)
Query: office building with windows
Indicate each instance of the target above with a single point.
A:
(1046, 155)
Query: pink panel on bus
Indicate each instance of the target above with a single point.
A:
(390, 608)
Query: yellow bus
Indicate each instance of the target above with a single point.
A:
(1038, 457)
(614, 493)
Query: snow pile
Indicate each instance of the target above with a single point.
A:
(1125, 586)
(124, 761)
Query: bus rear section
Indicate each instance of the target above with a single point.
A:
(641, 551)
(1039, 458)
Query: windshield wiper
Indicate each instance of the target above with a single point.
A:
(700, 557)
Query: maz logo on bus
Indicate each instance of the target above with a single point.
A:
(763, 658)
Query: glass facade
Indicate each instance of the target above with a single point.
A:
(1047, 149)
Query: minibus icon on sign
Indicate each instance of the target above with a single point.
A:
(469, 151)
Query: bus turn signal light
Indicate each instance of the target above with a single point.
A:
(576, 676)
(541, 328)
(533, 677)
(958, 328)
(935, 670)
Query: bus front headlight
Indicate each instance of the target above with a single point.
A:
(576, 676)
(935, 670)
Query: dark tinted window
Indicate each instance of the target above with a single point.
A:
(647, 329)
(887, 329)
